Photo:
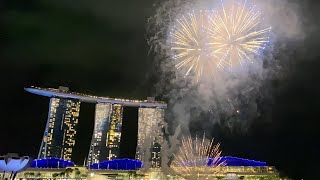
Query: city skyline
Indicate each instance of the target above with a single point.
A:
(59, 136)
(103, 48)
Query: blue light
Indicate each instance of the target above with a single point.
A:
(13, 164)
(234, 161)
(51, 163)
(118, 164)
(230, 161)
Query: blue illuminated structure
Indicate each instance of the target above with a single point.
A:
(234, 161)
(11, 164)
(51, 163)
(118, 164)
(231, 161)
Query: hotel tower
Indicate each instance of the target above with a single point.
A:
(61, 128)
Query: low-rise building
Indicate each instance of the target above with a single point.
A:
(127, 169)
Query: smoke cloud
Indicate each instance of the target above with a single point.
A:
(231, 100)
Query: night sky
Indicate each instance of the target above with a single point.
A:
(99, 47)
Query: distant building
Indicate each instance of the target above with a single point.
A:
(114, 134)
(59, 135)
(52, 168)
(105, 143)
(235, 168)
(150, 135)
(98, 147)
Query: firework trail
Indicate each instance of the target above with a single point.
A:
(197, 157)
(207, 41)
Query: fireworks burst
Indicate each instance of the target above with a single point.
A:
(197, 157)
(205, 42)
(189, 44)
(236, 34)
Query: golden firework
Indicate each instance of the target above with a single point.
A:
(190, 46)
(197, 157)
(206, 41)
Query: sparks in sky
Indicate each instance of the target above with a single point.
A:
(189, 40)
(236, 33)
(197, 157)
(205, 42)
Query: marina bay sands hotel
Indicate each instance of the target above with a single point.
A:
(61, 128)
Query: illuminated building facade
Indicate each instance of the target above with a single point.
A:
(54, 168)
(59, 135)
(150, 135)
(105, 143)
(114, 134)
(234, 168)
(98, 148)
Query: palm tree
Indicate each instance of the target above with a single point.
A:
(68, 171)
(84, 175)
(31, 174)
(62, 174)
(27, 174)
(38, 175)
(54, 175)
(77, 172)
